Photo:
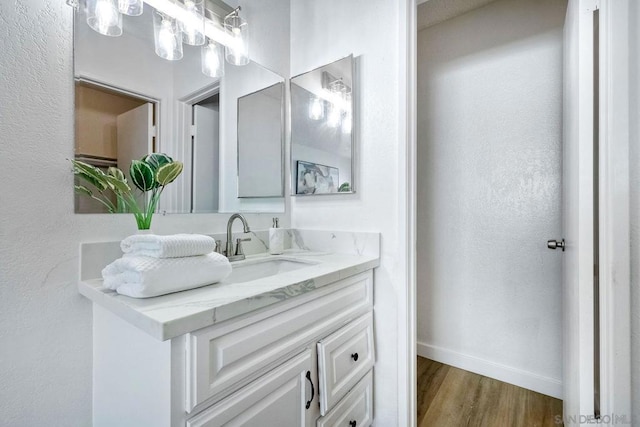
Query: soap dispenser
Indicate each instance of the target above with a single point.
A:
(276, 239)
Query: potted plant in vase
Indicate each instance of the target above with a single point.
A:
(150, 174)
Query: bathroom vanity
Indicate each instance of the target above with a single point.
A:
(286, 340)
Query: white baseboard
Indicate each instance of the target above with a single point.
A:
(538, 383)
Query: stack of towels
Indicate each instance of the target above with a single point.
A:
(155, 265)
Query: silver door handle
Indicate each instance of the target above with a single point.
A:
(554, 244)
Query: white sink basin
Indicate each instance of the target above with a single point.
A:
(245, 271)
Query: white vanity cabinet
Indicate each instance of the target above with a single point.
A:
(305, 361)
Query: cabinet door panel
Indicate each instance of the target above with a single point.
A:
(344, 357)
(275, 399)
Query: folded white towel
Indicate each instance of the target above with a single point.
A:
(144, 277)
(173, 246)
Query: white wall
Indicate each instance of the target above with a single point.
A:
(489, 192)
(45, 324)
(322, 32)
(634, 143)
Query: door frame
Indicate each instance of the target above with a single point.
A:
(614, 187)
(615, 262)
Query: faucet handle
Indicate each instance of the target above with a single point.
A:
(218, 248)
(239, 245)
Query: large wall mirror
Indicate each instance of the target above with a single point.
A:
(228, 131)
(322, 143)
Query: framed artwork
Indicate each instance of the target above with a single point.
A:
(313, 178)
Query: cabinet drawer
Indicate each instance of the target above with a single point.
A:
(343, 359)
(355, 410)
(223, 358)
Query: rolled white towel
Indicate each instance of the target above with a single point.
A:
(173, 246)
(144, 277)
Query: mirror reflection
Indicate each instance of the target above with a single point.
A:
(130, 102)
(322, 143)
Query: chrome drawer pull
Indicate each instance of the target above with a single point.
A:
(354, 356)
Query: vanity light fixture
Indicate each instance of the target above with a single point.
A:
(176, 22)
(131, 7)
(212, 59)
(104, 17)
(167, 37)
(237, 51)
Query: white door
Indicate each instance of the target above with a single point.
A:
(206, 165)
(135, 136)
(277, 399)
(578, 211)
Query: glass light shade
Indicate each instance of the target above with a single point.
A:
(192, 25)
(335, 116)
(237, 52)
(167, 37)
(347, 123)
(212, 59)
(104, 17)
(316, 109)
(131, 7)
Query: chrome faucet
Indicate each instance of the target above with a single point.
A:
(238, 254)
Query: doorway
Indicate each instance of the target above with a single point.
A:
(112, 128)
(489, 184)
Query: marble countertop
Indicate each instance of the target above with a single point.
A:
(171, 315)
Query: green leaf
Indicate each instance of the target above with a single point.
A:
(156, 160)
(117, 185)
(81, 189)
(117, 174)
(344, 187)
(91, 174)
(142, 175)
(169, 172)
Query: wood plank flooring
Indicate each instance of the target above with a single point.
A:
(451, 397)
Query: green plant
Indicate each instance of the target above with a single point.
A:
(150, 174)
(344, 187)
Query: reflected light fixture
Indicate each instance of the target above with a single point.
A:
(237, 51)
(131, 7)
(176, 22)
(104, 17)
(316, 109)
(212, 59)
(167, 37)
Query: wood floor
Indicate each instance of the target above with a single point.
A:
(451, 397)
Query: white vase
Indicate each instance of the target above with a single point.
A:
(149, 231)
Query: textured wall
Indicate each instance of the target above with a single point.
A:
(45, 325)
(322, 32)
(634, 148)
(489, 169)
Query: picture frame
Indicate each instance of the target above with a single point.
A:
(314, 178)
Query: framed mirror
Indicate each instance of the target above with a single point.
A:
(322, 137)
(130, 102)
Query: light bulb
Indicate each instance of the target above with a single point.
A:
(316, 109)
